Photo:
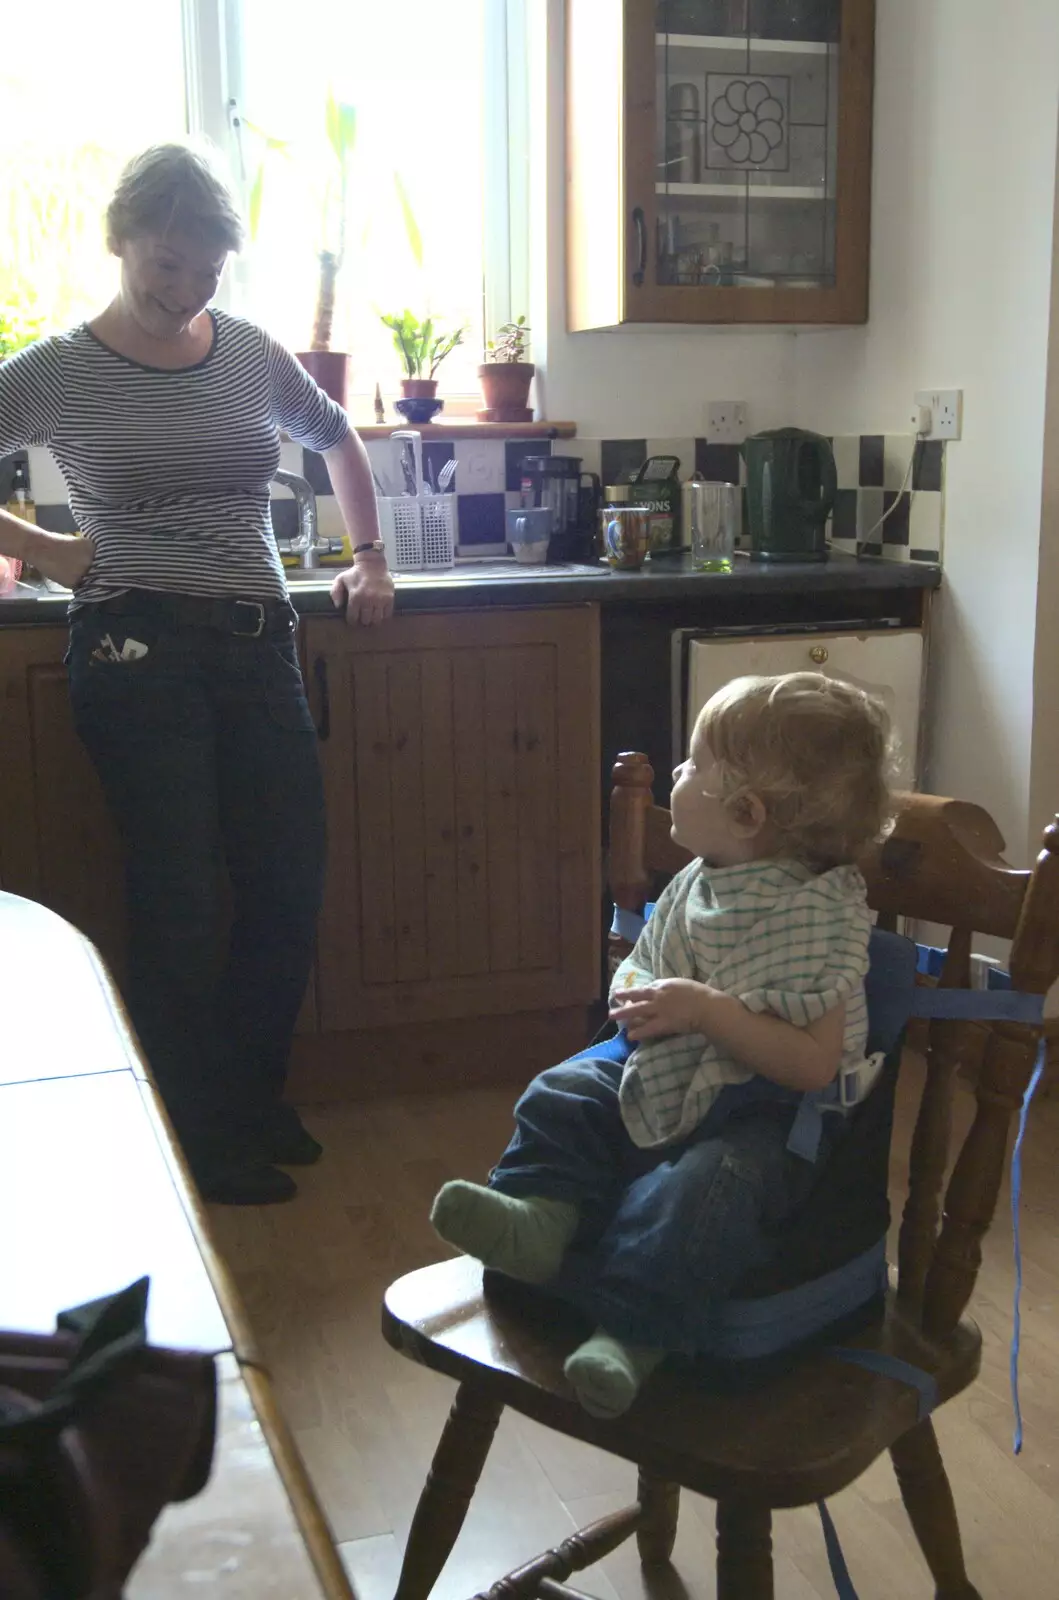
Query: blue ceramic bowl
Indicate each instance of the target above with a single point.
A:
(418, 410)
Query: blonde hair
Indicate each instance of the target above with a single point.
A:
(174, 186)
(816, 752)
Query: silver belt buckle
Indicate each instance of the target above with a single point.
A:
(256, 606)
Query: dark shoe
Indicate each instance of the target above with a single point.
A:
(288, 1142)
(250, 1186)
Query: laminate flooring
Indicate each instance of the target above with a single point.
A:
(367, 1420)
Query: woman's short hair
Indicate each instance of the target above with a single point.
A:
(816, 751)
(174, 186)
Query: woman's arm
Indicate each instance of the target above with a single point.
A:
(798, 1058)
(60, 556)
(365, 590)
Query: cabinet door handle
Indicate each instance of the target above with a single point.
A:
(323, 727)
(639, 222)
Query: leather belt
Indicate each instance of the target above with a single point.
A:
(244, 619)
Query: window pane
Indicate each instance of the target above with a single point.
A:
(413, 73)
(66, 138)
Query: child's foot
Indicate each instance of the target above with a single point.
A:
(524, 1238)
(606, 1375)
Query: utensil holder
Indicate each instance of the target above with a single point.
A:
(418, 531)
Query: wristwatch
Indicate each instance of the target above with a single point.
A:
(375, 545)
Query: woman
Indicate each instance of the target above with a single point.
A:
(164, 417)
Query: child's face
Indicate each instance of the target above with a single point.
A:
(724, 836)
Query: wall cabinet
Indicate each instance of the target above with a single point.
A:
(719, 161)
(461, 766)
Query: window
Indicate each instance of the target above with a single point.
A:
(433, 181)
(64, 144)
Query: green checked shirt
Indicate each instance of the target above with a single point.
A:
(780, 937)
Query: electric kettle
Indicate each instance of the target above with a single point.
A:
(791, 484)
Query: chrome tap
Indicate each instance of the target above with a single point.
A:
(308, 545)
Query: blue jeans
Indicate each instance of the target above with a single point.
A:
(207, 754)
(666, 1234)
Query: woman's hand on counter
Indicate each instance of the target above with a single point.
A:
(63, 557)
(364, 591)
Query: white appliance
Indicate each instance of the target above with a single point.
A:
(886, 663)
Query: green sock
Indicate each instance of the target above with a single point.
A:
(524, 1238)
(606, 1375)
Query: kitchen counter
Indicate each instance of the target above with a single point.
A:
(664, 580)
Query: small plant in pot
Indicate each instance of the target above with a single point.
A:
(422, 348)
(506, 375)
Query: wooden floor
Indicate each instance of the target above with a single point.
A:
(312, 1274)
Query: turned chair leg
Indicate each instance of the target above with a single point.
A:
(928, 1500)
(657, 1532)
(744, 1551)
(451, 1481)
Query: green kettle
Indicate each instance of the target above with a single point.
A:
(791, 484)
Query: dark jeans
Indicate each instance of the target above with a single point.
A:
(665, 1234)
(207, 753)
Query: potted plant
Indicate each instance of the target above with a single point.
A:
(422, 348)
(330, 367)
(506, 375)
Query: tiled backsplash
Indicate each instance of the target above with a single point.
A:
(873, 470)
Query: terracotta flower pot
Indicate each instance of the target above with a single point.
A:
(330, 369)
(419, 388)
(505, 389)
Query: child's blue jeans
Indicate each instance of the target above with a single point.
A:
(665, 1234)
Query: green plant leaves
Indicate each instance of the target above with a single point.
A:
(419, 346)
(411, 226)
(341, 124)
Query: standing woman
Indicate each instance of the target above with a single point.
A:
(164, 416)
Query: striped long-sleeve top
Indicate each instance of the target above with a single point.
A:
(168, 472)
(781, 938)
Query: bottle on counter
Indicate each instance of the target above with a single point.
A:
(20, 504)
(380, 409)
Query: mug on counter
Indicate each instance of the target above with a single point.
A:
(529, 531)
(626, 535)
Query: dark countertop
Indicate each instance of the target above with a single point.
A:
(662, 581)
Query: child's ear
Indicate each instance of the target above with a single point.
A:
(747, 815)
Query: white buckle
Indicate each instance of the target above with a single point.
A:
(856, 1083)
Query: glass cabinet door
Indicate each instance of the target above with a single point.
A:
(746, 139)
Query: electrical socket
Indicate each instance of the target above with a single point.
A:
(944, 408)
(726, 422)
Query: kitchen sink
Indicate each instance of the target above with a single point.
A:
(498, 570)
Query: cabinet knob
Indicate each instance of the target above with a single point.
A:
(818, 654)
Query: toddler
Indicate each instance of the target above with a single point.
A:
(646, 1177)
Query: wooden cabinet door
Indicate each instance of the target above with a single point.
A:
(461, 764)
(719, 161)
(57, 842)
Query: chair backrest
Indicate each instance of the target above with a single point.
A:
(942, 863)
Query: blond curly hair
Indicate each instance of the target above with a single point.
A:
(817, 752)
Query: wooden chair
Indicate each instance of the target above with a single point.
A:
(812, 1432)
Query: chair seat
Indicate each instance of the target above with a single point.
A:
(800, 1437)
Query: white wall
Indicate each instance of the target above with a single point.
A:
(964, 198)
(1044, 768)
(631, 384)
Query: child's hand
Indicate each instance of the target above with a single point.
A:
(671, 1005)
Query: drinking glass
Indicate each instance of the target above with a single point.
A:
(714, 509)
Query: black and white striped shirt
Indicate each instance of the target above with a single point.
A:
(168, 472)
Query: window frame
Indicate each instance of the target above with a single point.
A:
(213, 92)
